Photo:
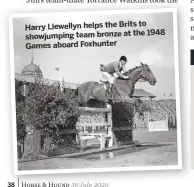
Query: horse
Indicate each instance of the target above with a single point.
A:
(122, 90)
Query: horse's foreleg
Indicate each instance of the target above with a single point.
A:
(118, 96)
(129, 95)
(123, 95)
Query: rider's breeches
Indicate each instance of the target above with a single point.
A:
(109, 77)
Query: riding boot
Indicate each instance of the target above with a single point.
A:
(107, 93)
(110, 95)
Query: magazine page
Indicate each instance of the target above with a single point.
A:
(83, 107)
(97, 89)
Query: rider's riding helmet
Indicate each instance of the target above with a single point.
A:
(123, 58)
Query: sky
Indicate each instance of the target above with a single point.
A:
(78, 65)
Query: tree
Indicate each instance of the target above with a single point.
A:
(20, 117)
(21, 132)
(142, 107)
(48, 110)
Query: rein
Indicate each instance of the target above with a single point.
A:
(140, 79)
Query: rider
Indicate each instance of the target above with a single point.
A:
(113, 70)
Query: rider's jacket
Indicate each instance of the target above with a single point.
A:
(112, 67)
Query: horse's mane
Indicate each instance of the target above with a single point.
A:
(129, 73)
(131, 70)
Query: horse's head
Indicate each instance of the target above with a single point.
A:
(147, 74)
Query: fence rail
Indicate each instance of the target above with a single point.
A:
(94, 126)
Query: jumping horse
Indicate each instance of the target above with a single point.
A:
(122, 90)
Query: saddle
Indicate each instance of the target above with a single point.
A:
(106, 83)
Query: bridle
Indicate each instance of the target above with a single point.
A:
(145, 78)
(141, 79)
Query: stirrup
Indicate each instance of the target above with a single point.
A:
(109, 96)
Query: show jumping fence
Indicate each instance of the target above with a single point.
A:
(95, 123)
(112, 126)
(123, 122)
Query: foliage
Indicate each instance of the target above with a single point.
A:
(123, 114)
(142, 107)
(48, 109)
(21, 132)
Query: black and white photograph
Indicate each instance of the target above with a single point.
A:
(95, 91)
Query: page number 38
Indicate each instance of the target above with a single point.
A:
(11, 184)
